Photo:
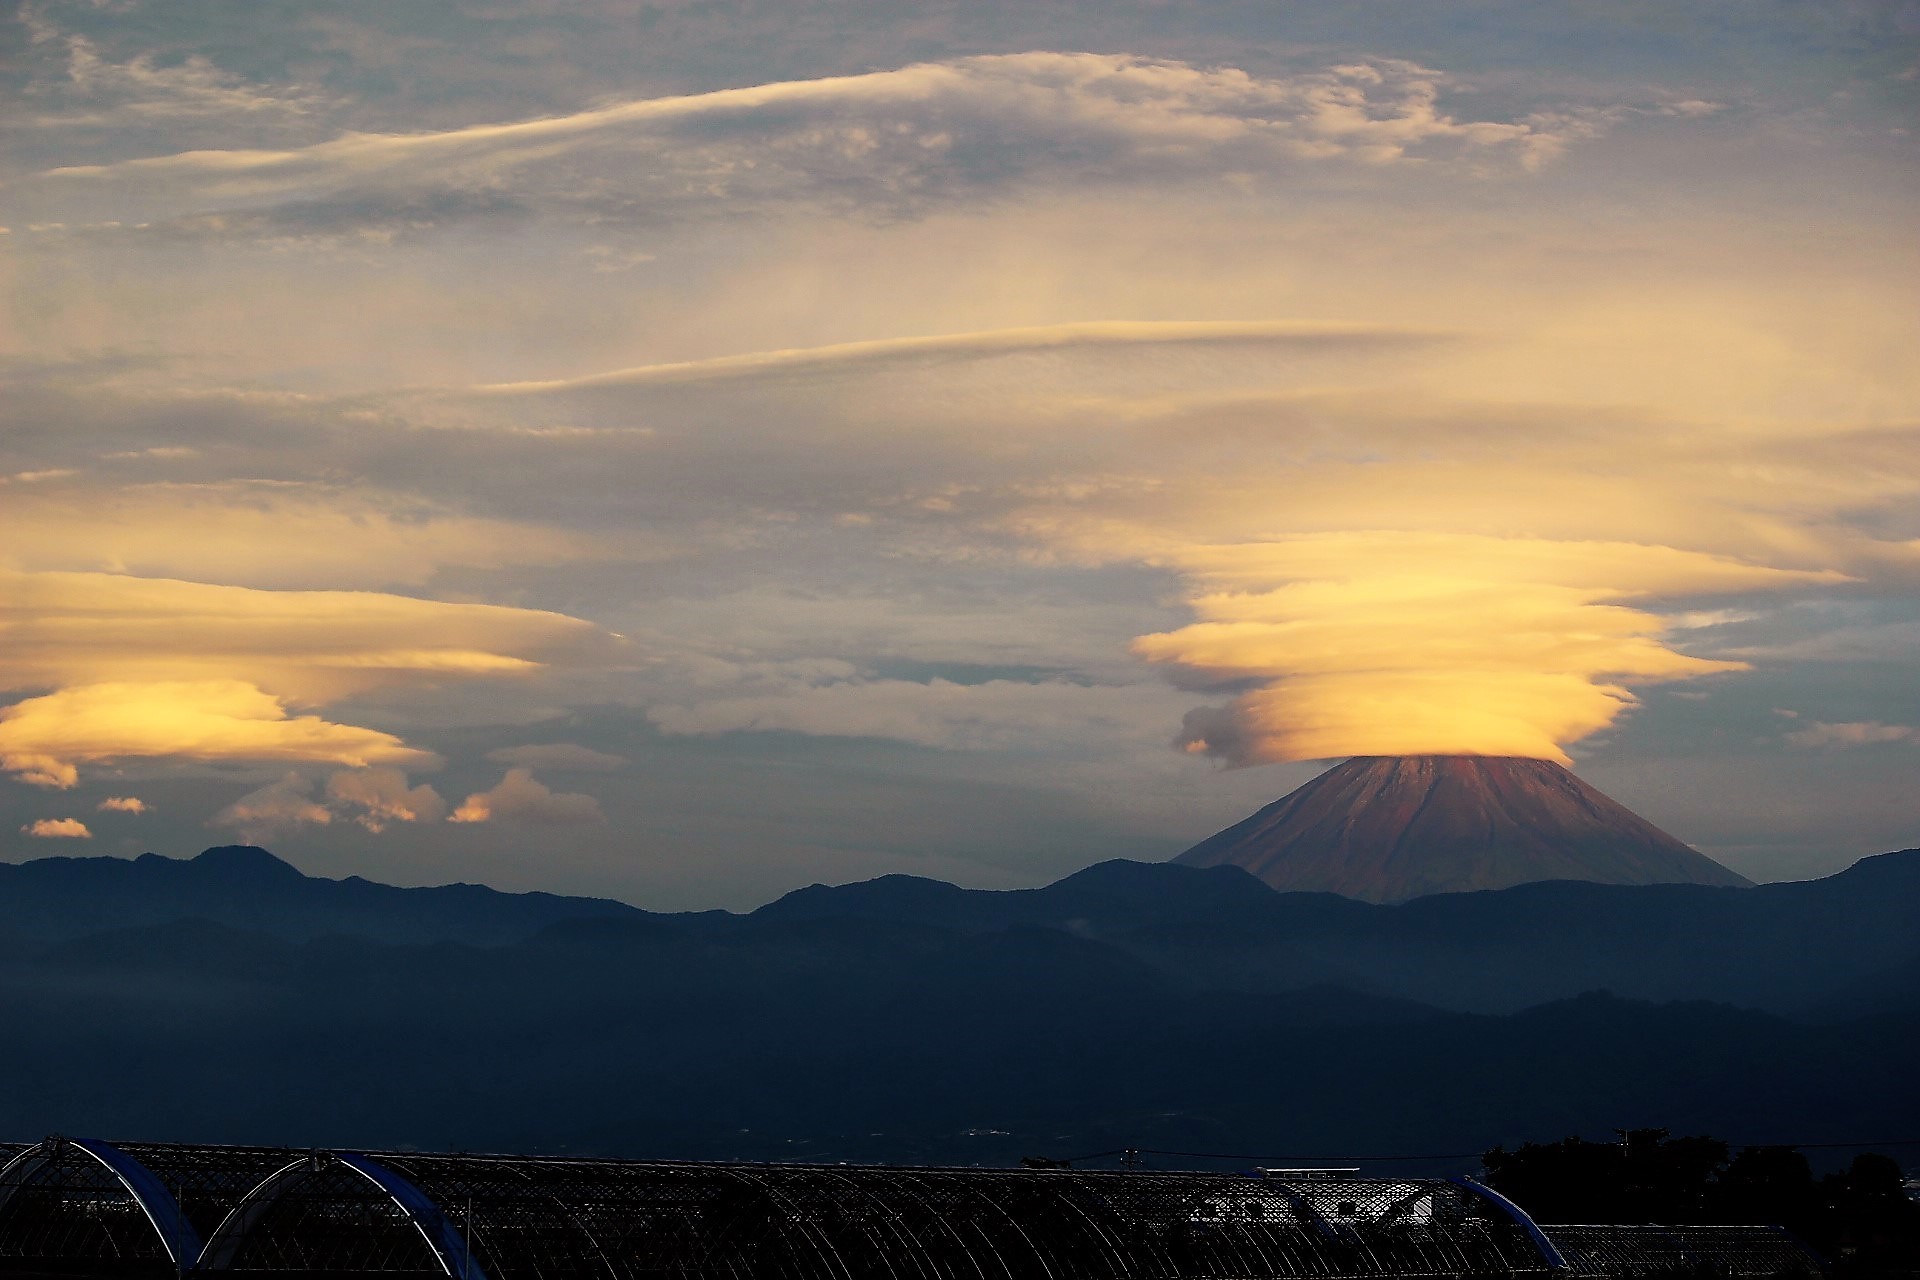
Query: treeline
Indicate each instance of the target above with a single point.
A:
(1860, 1218)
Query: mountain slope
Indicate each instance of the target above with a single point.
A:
(1391, 828)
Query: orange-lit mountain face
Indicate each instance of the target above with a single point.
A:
(1389, 828)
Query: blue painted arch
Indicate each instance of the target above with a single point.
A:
(1549, 1253)
(155, 1200)
(445, 1240)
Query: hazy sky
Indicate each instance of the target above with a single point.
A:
(687, 451)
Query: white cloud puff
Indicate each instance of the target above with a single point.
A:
(377, 797)
(275, 807)
(57, 829)
(521, 798)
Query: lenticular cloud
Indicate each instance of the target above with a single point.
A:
(1432, 644)
(154, 668)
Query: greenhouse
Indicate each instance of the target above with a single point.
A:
(78, 1207)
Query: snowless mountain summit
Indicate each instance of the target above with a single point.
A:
(1390, 828)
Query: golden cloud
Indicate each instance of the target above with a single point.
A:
(1430, 559)
(520, 797)
(144, 667)
(1389, 643)
(255, 536)
(57, 829)
(308, 647)
(43, 739)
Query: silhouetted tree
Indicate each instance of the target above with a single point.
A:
(1861, 1219)
(1771, 1185)
(1870, 1227)
(1644, 1177)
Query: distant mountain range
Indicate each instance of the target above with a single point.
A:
(229, 997)
(1392, 828)
(54, 898)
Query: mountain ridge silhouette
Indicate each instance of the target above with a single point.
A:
(1143, 1004)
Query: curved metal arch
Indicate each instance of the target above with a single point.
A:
(1220, 1224)
(912, 1184)
(8, 1183)
(887, 1216)
(568, 1212)
(777, 1194)
(156, 1202)
(1549, 1253)
(1069, 1190)
(445, 1242)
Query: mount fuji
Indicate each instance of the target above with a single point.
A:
(1391, 828)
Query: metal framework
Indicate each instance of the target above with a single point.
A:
(1689, 1250)
(75, 1198)
(80, 1207)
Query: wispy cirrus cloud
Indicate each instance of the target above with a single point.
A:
(145, 90)
(1823, 735)
(989, 715)
(273, 535)
(923, 351)
(885, 143)
(563, 757)
(81, 94)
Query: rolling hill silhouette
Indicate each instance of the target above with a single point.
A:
(905, 1019)
(247, 887)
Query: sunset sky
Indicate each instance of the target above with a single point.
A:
(687, 451)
